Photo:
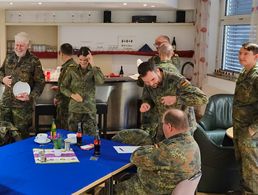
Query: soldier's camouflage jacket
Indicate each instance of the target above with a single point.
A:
(29, 70)
(160, 168)
(63, 100)
(8, 133)
(173, 85)
(82, 82)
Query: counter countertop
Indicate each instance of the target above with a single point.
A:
(107, 79)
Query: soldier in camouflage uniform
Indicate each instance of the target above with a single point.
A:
(156, 59)
(245, 117)
(20, 65)
(165, 53)
(160, 167)
(79, 86)
(163, 90)
(61, 101)
(8, 133)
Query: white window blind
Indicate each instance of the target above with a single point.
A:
(238, 7)
(235, 34)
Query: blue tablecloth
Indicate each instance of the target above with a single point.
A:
(19, 174)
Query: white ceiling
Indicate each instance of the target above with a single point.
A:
(89, 4)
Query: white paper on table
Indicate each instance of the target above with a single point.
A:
(125, 149)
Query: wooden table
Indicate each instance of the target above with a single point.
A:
(229, 132)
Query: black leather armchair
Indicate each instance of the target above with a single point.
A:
(220, 170)
(217, 117)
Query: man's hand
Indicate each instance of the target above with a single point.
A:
(168, 100)
(251, 131)
(7, 80)
(145, 107)
(90, 59)
(23, 97)
(55, 88)
(77, 97)
(55, 101)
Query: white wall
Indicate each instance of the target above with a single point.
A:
(103, 37)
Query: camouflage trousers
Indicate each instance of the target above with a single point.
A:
(137, 137)
(88, 120)
(247, 154)
(62, 116)
(21, 118)
(131, 186)
(8, 133)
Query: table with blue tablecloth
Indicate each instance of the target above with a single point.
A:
(19, 174)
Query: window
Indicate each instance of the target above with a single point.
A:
(236, 30)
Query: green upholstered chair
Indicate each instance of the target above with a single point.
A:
(220, 170)
(217, 117)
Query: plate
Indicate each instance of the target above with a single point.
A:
(40, 142)
(71, 141)
(21, 87)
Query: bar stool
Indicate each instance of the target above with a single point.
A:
(102, 96)
(43, 109)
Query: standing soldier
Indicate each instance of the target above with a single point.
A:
(245, 117)
(162, 90)
(79, 86)
(165, 63)
(20, 65)
(61, 101)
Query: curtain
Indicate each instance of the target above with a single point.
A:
(201, 42)
(254, 22)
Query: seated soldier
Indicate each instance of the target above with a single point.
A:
(8, 133)
(160, 167)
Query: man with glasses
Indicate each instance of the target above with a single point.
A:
(160, 167)
(156, 59)
(20, 65)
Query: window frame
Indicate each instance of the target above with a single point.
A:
(224, 21)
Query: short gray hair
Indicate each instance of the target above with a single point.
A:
(22, 37)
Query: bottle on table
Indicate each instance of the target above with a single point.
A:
(174, 43)
(53, 129)
(79, 134)
(97, 144)
(121, 72)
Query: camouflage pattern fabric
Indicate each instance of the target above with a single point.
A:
(135, 137)
(175, 60)
(149, 119)
(245, 115)
(160, 169)
(8, 133)
(83, 82)
(27, 69)
(63, 101)
(88, 122)
(173, 85)
(21, 117)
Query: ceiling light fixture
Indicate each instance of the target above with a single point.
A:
(124, 3)
(144, 4)
(39, 3)
(153, 6)
(10, 3)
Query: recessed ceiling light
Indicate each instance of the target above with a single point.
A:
(39, 3)
(153, 6)
(124, 3)
(144, 4)
(10, 3)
